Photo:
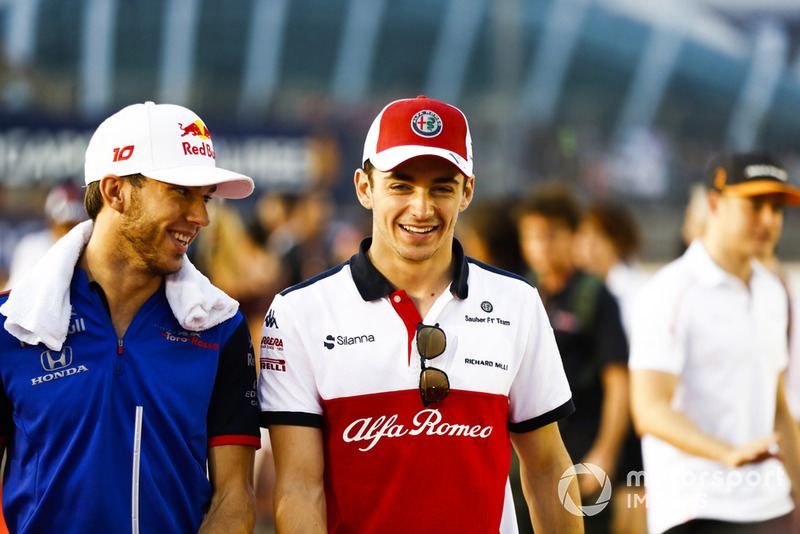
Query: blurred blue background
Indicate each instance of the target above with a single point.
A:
(625, 99)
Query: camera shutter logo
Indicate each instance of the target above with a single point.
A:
(53, 361)
(570, 475)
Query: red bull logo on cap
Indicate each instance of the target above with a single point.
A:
(197, 129)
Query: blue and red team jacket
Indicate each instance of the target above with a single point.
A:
(112, 435)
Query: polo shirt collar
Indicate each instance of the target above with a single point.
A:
(710, 272)
(372, 285)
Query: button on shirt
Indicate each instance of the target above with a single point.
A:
(726, 342)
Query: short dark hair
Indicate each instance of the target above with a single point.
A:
(93, 199)
(368, 167)
(552, 201)
(619, 225)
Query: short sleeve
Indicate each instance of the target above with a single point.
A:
(658, 334)
(287, 387)
(233, 411)
(540, 393)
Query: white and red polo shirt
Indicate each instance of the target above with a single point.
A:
(338, 353)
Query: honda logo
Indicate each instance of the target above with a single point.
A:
(52, 360)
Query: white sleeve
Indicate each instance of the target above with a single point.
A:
(659, 332)
(540, 393)
(287, 383)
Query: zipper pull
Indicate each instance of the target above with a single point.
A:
(119, 346)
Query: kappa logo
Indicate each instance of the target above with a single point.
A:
(58, 364)
(270, 321)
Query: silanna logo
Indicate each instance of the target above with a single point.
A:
(58, 364)
(331, 341)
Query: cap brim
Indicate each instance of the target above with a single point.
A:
(229, 184)
(390, 158)
(755, 188)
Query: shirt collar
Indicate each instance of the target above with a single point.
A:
(710, 272)
(372, 285)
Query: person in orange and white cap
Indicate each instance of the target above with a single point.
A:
(127, 394)
(708, 351)
(394, 384)
(63, 209)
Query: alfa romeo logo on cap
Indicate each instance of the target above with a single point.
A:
(426, 123)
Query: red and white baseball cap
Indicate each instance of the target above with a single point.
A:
(164, 142)
(415, 127)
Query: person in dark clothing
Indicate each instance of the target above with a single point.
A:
(588, 329)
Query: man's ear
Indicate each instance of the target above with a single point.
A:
(111, 187)
(469, 189)
(712, 199)
(363, 188)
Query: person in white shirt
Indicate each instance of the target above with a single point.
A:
(63, 209)
(721, 451)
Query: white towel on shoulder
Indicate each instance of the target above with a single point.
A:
(38, 308)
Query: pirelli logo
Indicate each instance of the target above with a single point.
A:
(273, 364)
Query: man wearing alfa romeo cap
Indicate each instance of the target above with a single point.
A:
(721, 451)
(393, 383)
(128, 394)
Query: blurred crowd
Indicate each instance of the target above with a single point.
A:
(583, 255)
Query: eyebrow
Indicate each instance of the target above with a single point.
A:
(440, 180)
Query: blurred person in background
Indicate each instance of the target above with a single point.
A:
(709, 347)
(63, 209)
(767, 255)
(302, 241)
(128, 380)
(271, 212)
(236, 264)
(488, 232)
(362, 427)
(695, 217)
(608, 242)
(586, 320)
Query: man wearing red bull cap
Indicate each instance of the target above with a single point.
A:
(394, 384)
(127, 397)
(708, 350)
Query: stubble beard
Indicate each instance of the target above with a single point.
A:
(141, 237)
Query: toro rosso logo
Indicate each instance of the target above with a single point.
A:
(197, 129)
